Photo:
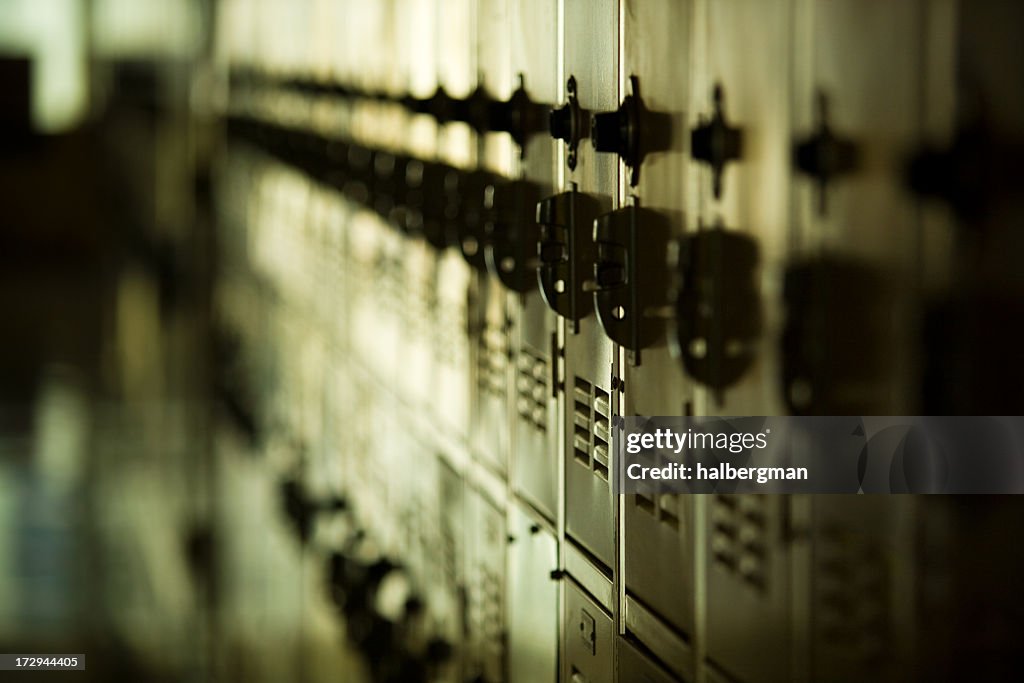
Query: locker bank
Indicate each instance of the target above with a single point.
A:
(319, 315)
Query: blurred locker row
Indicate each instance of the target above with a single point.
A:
(457, 238)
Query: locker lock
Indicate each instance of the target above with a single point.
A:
(837, 340)
(630, 275)
(824, 156)
(716, 143)
(566, 252)
(569, 122)
(512, 233)
(718, 311)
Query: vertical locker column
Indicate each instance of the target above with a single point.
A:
(861, 589)
(412, 42)
(453, 25)
(535, 429)
(533, 607)
(658, 534)
(862, 101)
(491, 431)
(589, 74)
(860, 111)
(591, 60)
(740, 146)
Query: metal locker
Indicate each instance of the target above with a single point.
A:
(740, 93)
(861, 600)
(532, 599)
(590, 36)
(748, 621)
(535, 438)
(456, 145)
(658, 539)
(588, 639)
(491, 325)
(487, 540)
(858, 235)
(446, 597)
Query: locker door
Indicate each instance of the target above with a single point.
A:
(591, 56)
(658, 534)
(532, 601)
(535, 408)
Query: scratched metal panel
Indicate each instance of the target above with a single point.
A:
(658, 534)
(590, 35)
(535, 439)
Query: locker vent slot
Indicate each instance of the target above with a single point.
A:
(591, 427)
(581, 421)
(852, 600)
(492, 362)
(739, 537)
(532, 389)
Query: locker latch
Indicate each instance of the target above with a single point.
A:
(715, 142)
(512, 233)
(566, 252)
(631, 276)
(619, 131)
(718, 310)
(569, 122)
(837, 341)
(466, 194)
(824, 156)
(424, 199)
(519, 116)
(588, 631)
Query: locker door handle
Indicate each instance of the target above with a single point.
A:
(836, 339)
(512, 234)
(465, 194)
(631, 275)
(718, 310)
(566, 252)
